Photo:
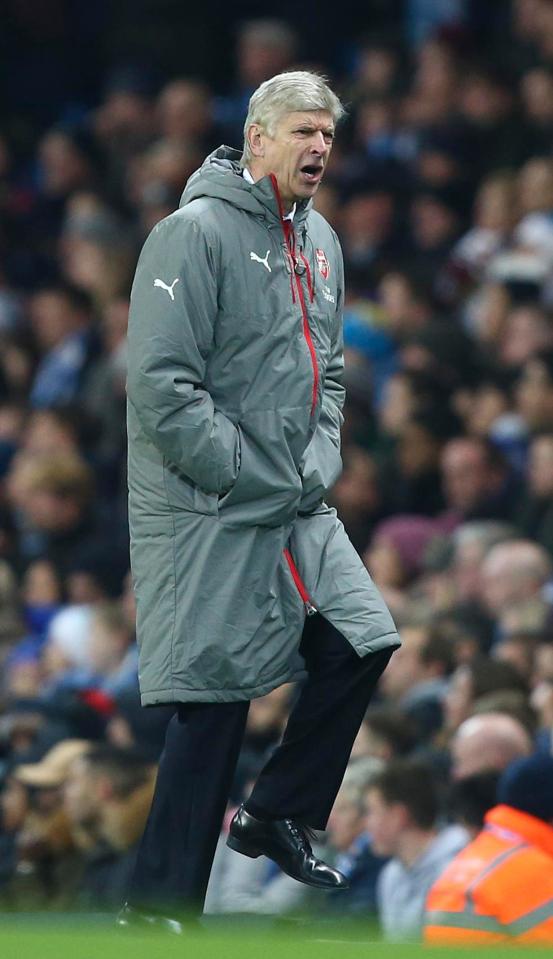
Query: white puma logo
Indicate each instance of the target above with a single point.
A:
(168, 289)
(254, 256)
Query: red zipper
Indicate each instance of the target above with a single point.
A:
(300, 585)
(306, 330)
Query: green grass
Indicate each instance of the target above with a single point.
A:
(54, 937)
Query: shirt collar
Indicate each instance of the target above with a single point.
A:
(249, 178)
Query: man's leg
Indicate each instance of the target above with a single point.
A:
(301, 779)
(194, 780)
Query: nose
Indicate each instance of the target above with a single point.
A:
(319, 144)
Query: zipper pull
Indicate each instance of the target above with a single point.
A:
(309, 608)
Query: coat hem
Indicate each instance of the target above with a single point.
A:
(388, 641)
(180, 694)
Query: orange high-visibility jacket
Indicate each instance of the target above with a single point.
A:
(498, 888)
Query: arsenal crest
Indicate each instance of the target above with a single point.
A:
(322, 263)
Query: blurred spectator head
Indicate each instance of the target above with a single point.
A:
(126, 117)
(527, 785)
(406, 393)
(513, 572)
(56, 312)
(484, 97)
(473, 471)
(535, 391)
(435, 219)
(366, 222)
(265, 47)
(51, 431)
(540, 466)
(542, 683)
(68, 641)
(535, 186)
(401, 801)
(110, 637)
(185, 111)
(397, 550)
(347, 818)
(54, 490)
(107, 793)
(386, 733)
(527, 331)
(473, 681)
(406, 302)
(68, 161)
(376, 68)
(489, 741)
(494, 202)
(537, 95)
(472, 541)
(423, 655)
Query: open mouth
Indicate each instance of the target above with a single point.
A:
(312, 172)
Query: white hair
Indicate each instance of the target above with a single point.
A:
(290, 92)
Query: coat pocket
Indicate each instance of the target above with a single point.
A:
(183, 494)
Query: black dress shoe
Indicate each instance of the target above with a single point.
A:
(138, 920)
(287, 844)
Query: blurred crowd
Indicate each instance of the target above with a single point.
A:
(440, 187)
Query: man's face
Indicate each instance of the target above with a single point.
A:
(465, 476)
(385, 822)
(297, 153)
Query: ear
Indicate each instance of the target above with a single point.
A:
(256, 138)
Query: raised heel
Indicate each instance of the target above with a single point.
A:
(240, 846)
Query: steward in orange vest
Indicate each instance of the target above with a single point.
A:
(499, 888)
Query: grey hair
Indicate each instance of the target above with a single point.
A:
(289, 92)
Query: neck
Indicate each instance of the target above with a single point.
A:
(413, 844)
(286, 204)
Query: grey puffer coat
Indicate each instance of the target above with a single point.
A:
(234, 413)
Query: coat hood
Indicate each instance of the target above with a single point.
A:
(220, 175)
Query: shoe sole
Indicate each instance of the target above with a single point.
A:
(239, 846)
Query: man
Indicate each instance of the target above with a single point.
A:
(106, 796)
(417, 679)
(402, 812)
(487, 742)
(500, 887)
(234, 387)
(514, 573)
(476, 480)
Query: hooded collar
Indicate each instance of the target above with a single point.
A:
(221, 175)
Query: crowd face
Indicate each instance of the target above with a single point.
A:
(345, 823)
(466, 475)
(296, 153)
(405, 668)
(535, 395)
(385, 822)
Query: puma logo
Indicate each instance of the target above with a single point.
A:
(254, 256)
(168, 289)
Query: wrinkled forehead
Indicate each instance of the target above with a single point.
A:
(315, 119)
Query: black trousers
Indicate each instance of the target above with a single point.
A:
(300, 781)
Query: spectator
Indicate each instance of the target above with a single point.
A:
(500, 887)
(60, 318)
(418, 679)
(402, 815)
(477, 480)
(512, 573)
(487, 742)
(107, 795)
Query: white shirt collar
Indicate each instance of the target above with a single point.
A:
(247, 176)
